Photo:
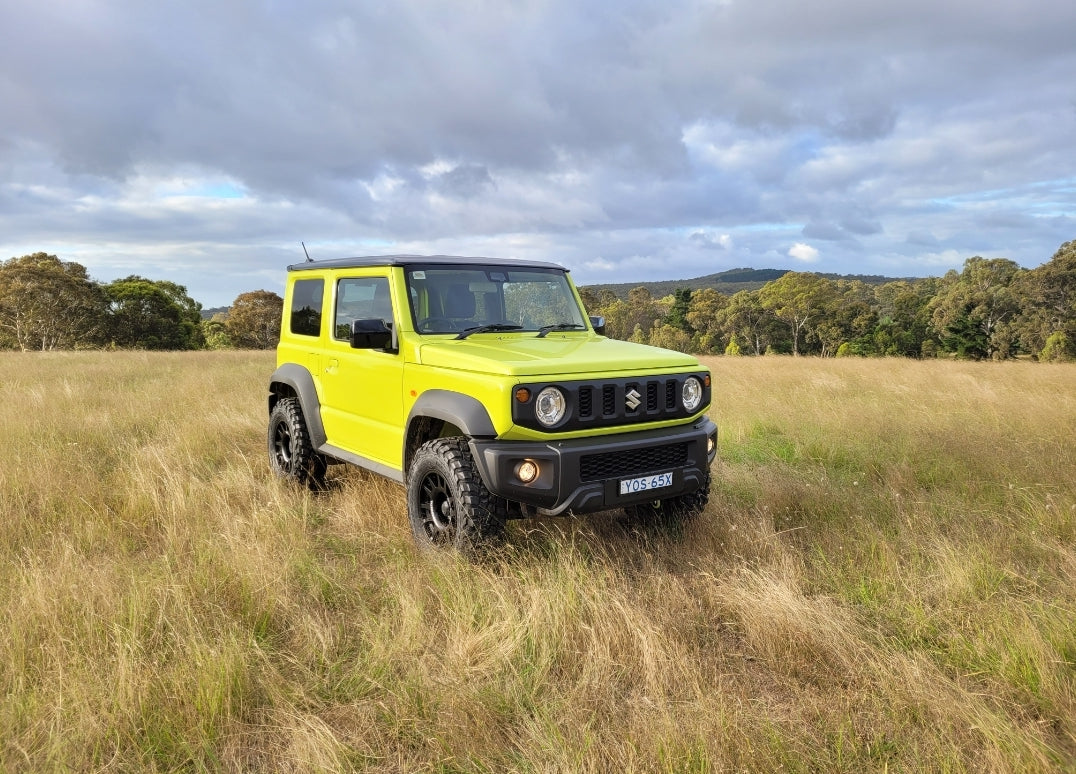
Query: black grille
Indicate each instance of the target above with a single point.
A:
(586, 402)
(610, 402)
(594, 467)
(652, 396)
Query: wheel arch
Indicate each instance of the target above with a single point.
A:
(292, 380)
(436, 411)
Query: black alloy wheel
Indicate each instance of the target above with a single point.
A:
(448, 504)
(291, 451)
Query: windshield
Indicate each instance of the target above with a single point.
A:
(453, 299)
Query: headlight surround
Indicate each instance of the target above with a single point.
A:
(691, 394)
(550, 406)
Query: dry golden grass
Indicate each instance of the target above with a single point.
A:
(884, 580)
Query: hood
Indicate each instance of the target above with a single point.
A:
(525, 355)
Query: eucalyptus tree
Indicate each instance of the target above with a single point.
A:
(253, 321)
(153, 314)
(46, 303)
(745, 322)
(801, 301)
(974, 311)
(849, 317)
(904, 318)
(1048, 306)
(703, 315)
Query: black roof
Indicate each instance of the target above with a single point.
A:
(420, 260)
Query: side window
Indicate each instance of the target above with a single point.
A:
(361, 298)
(306, 301)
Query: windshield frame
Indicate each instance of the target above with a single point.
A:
(451, 298)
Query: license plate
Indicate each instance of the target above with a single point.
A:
(646, 483)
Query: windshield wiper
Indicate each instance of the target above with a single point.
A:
(491, 327)
(558, 327)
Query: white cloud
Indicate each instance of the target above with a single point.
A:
(803, 252)
(711, 239)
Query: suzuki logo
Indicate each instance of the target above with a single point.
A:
(632, 398)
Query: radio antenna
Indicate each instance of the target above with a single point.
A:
(308, 258)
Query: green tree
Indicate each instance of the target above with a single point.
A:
(617, 316)
(744, 321)
(678, 312)
(630, 320)
(46, 303)
(848, 317)
(1047, 296)
(800, 300)
(644, 309)
(974, 310)
(148, 314)
(1058, 348)
(591, 299)
(253, 322)
(904, 323)
(215, 332)
(703, 315)
(669, 337)
(596, 301)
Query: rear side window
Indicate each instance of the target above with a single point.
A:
(306, 300)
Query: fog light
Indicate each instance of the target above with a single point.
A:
(527, 471)
(711, 444)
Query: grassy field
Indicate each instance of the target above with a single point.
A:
(884, 580)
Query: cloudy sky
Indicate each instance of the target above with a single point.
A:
(202, 141)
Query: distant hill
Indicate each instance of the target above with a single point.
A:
(207, 314)
(729, 282)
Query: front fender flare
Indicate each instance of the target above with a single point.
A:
(465, 412)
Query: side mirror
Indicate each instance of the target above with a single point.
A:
(370, 334)
(598, 323)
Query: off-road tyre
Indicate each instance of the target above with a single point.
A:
(291, 451)
(672, 513)
(448, 505)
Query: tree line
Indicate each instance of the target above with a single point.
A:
(47, 304)
(992, 309)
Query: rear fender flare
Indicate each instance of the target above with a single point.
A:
(302, 384)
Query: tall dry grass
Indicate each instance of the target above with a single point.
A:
(884, 580)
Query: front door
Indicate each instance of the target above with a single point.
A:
(362, 403)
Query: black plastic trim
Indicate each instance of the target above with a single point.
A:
(465, 412)
(302, 383)
(561, 488)
(363, 462)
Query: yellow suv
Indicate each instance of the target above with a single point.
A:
(482, 387)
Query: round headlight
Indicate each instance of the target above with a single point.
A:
(550, 406)
(692, 393)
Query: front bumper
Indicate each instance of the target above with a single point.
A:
(583, 475)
